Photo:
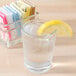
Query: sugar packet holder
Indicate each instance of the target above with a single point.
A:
(10, 43)
(16, 39)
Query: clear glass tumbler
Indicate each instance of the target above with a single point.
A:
(38, 50)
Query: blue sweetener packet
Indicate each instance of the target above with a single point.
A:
(16, 17)
(15, 13)
(16, 10)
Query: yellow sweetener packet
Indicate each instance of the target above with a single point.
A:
(25, 7)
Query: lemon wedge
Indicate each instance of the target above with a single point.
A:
(63, 29)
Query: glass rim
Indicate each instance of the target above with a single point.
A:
(42, 36)
(37, 36)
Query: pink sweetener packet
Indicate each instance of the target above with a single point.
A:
(3, 20)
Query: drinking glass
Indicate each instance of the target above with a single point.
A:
(38, 50)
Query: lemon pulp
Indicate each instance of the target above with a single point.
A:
(63, 29)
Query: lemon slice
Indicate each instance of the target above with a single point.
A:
(63, 29)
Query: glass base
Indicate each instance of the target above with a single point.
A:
(38, 69)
